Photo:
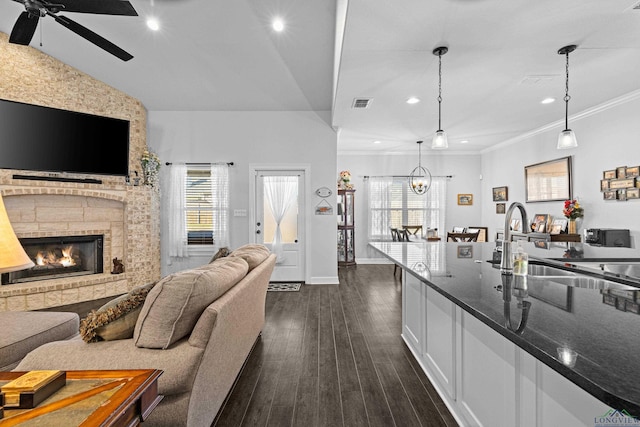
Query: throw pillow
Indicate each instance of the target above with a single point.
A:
(116, 319)
(254, 254)
(222, 252)
(175, 304)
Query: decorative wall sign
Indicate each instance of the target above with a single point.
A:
(323, 192)
(324, 208)
(621, 183)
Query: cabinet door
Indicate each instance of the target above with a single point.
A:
(440, 349)
(412, 312)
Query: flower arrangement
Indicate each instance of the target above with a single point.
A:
(150, 167)
(572, 209)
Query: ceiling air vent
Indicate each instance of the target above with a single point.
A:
(361, 103)
(636, 6)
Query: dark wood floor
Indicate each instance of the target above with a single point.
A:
(331, 355)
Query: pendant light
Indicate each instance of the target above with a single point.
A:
(440, 138)
(567, 139)
(420, 178)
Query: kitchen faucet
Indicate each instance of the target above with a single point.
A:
(506, 264)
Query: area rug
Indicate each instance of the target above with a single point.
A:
(284, 287)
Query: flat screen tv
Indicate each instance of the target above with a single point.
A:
(40, 138)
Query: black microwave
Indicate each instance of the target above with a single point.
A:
(608, 237)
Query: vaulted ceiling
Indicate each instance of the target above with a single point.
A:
(502, 61)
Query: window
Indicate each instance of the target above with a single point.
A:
(392, 204)
(196, 208)
(199, 207)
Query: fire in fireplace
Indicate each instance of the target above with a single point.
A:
(56, 257)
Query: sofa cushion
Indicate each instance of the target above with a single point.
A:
(23, 331)
(179, 363)
(254, 254)
(116, 319)
(175, 303)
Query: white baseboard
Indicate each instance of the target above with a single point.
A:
(373, 261)
(331, 280)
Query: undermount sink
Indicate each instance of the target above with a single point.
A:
(546, 270)
(625, 270)
(538, 272)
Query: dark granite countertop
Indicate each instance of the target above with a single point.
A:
(597, 319)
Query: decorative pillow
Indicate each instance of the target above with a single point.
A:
(254, 254)
(175, 304)
(116, 319)
(222, 252)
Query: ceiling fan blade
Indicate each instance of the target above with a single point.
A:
(24, 29)
(92, 37)
(104, 7)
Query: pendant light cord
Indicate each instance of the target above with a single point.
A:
(566, 96)
(439, 91)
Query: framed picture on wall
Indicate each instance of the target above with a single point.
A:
(465, 199)
(548, 181)
(501, 208)
(500, 194)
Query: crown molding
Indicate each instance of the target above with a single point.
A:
(631, 96)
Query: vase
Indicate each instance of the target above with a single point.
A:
(573, 229)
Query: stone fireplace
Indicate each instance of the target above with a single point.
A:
(111, 221)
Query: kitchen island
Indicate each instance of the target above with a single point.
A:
(554, 348)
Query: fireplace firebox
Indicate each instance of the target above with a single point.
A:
(56, 257)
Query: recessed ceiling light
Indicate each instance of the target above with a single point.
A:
(153, 24)
(413, 100)
(278, 25)
(464, 142)
(377, 142)
(548, 100)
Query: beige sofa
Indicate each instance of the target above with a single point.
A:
(200, 367)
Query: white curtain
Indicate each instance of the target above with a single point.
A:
(280, 192)
(220, 204)
(176, 213)
(436, 199)
(380, 195)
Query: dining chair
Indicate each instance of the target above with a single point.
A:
(462, 237)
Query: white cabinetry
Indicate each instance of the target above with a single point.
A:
(485, 379)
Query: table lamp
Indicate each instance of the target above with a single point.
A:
(12, 255)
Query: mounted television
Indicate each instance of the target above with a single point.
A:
(47, 139)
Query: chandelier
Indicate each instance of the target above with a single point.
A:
(420, 178)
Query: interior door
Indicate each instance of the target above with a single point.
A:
(290, 264)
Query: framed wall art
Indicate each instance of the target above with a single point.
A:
(548, 181)
(500, 194)
(465, 199)
(501, 208)
(620, 183)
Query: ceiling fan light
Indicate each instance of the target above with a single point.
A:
(567, 139)
(440, 140)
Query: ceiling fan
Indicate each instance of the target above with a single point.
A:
(25, 26)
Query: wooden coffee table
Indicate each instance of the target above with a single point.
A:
(93, 398)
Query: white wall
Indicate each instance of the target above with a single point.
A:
(255, 138)
(465, 170)
(607, 138)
